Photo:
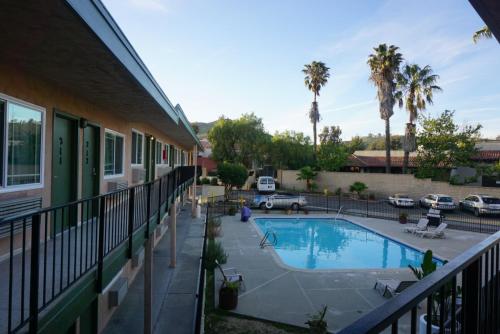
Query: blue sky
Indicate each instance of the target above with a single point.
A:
(232, 57)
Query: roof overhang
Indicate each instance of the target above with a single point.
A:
(77, 45)
(489, 10)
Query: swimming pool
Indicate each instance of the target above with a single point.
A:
(325, 243)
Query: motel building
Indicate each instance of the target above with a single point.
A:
(81, 117)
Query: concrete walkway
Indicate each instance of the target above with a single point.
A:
(280, 293)
(174, 289)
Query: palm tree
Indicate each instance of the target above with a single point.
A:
(484, 32)
(384, 66)
(317, 74)
(416, 87)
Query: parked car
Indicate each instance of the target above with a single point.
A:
(295, 202)
(401, 200)
(266, 184)
(438, 201)
(480, 204)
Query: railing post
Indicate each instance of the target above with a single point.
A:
(471, 290)
(100, 250)
(34, 272)
(148, 208)
(367, 207)
(158, 219)
(326, 196)
(131, 218)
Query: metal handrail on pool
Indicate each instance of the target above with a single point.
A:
(263, 241)
(338, 214)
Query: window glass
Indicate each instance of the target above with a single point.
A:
(2, 131)
(137, 144)
(158, 156)
(24, 128)
(113, 154)
(165, 153)
(491, 200)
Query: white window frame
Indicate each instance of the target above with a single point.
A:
(166, 147)
(118, 134)
(162, 145)
(4, 188)
(142, 151)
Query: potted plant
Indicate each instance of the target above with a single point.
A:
(403, 218)
(317, 323)
(228, 295)
(288, 211)
(306, 211)
(232, 211)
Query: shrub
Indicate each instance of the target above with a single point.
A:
(231, 211)
(338, 191)
(215, 251)
(358, 187)
(213, 228)
(232, 175)
(371, 196)
(214, 181)
(205, 180)
(317, 323)
(253, 185)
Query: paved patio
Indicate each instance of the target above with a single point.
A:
(280, 293)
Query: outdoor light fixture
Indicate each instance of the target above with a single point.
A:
(84, 123)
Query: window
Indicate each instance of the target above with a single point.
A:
(113, 154)
(159, 153)
(166, 154)
(21, 144)
(137, 147)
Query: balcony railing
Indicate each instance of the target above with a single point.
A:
(51, 249)
(462, 296)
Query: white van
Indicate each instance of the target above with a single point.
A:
(266, 183)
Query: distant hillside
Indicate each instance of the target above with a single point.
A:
(203, 128)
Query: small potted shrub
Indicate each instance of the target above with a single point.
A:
(214, 228)
(403, 218)
(306, 211)
(228, 295)
(371, 196)
(232, 211)
(214, 181)
(317, 323)
(288, 211)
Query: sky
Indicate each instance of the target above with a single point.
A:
(232, 57)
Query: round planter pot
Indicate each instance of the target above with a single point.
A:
(402, 221)
(228, 298)
(422, 328)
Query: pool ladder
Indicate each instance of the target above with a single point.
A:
(265, 240)
(338, 214)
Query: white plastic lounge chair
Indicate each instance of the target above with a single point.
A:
(231, 275)
(391, 287)
(438, 232)
(420, 226)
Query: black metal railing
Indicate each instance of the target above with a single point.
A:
(50, 249)
(462, 296)
(328, 203)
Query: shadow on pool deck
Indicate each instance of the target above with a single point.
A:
(278, 293)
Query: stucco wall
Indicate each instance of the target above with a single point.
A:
(22, 86)
(382, 185)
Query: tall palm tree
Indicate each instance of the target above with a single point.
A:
(317, 74)
(384, 66)
(416, 87)
(484, 32)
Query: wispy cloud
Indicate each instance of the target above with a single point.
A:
(152, 5)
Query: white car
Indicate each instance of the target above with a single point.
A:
(266, 184)
(401, 200)
(481, 204)
(438, 201)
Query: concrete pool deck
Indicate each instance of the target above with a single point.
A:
(276, 292)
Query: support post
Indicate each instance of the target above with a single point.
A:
(131, 216)
(148, 286)
(173, 232)
(34, 270)
(195, 163)
(100, 249)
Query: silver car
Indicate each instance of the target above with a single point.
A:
(295, 202)
(481, 204)
(438, 201)
(401, 200)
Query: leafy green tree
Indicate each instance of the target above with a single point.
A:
(238, 141)
(332, 157)
(232, 175)
(317, 74)
(416, 87)
(330, 135)
(356, 144)
(378, 143)
(384, 66)
(307, 174)
(443, 144)
(289, 149)
(484, 32)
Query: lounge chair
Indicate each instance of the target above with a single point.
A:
(391, 287)
(438, 232)
(231, 275)
(420, 226)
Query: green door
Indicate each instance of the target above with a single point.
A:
(150, 158)
(64, 172)
(90, 168)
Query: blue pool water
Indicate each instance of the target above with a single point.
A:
(320, 243)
